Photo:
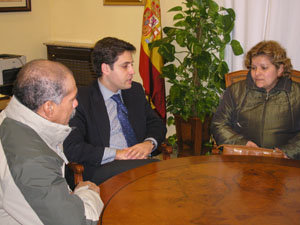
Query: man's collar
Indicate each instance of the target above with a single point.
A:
(106, 93)
(52, 133)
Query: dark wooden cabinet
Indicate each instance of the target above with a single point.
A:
(76, 56)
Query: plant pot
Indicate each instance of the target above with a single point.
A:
(191, 135)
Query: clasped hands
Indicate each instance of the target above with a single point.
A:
(138, 151)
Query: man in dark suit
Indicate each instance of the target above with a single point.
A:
(102, 138)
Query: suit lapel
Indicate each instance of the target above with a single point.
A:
(128, 103)
(100, 114)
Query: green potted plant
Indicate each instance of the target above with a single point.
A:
(193, 51)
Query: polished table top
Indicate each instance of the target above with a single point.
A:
(205, 190)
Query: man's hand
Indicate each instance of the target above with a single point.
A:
(138, 151)
(90, 185)
(121, 154)
(251, 144)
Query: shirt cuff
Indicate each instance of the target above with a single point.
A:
(93, 205)
(109, 155)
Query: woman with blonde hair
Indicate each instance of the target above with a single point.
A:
(263, 110)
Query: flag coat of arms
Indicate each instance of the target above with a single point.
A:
(150, 60)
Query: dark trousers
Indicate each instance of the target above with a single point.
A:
(99, 174)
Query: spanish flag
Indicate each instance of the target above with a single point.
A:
(150, 60)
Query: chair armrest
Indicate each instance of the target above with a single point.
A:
(166, 150)
(78, 171)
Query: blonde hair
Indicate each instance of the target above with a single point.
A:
(275, 53)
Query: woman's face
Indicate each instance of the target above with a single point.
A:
(264, 73)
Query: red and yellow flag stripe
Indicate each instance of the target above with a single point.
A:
(150, 60)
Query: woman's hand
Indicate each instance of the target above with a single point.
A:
(251, 144)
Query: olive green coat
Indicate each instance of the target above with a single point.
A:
(270, 120)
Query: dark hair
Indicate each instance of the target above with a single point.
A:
(275, 53)
(107, 50)
(40, 81)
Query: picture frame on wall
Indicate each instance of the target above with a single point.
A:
(15, 5)
(124, 2)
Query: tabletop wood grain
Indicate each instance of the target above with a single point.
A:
(205, 190)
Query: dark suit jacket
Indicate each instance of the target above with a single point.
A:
(91, 134)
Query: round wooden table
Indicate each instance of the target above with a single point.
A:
(205, 190)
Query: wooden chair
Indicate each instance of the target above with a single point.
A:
(239, 75)
(78, 169)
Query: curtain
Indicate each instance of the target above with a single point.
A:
(258, 20)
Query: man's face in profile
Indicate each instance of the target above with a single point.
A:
(120, 76)
(67, 108)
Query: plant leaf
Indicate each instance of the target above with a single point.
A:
(169, 31)
(213, 7)
(227, 23)
(227, 38)
(178, 16)
(236, 47)
(230, 11)
(223, 68)
(156, 43)
(180, 39)
(167, 51)
(181, 23)
(175, 9)
(169, 71)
